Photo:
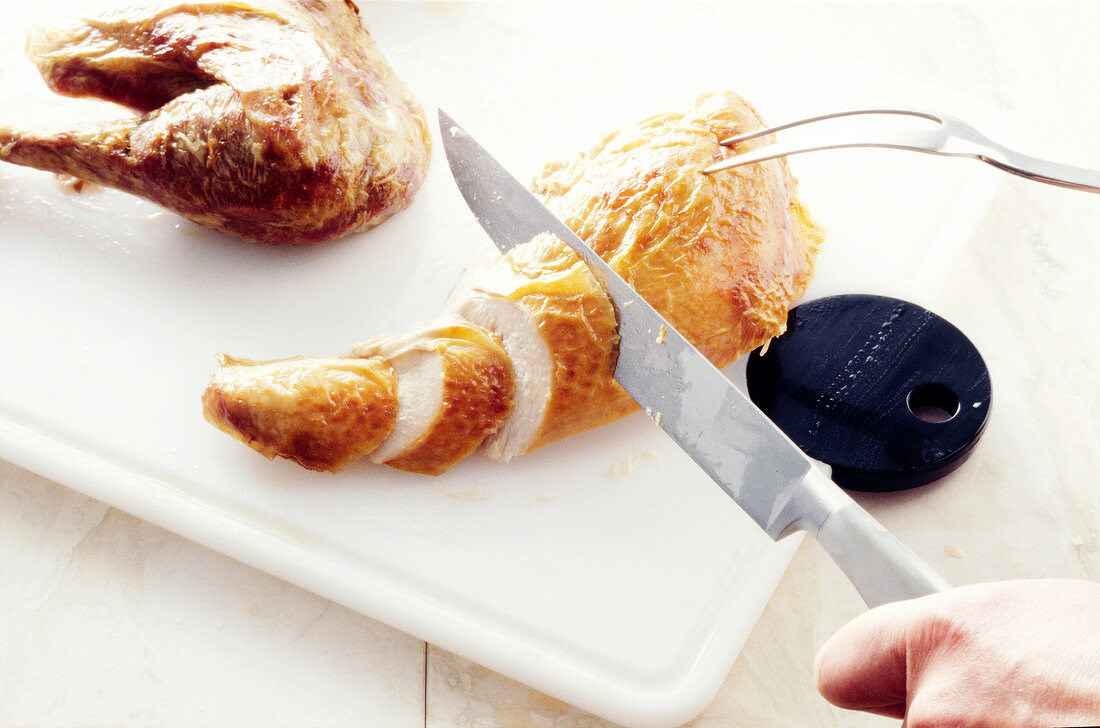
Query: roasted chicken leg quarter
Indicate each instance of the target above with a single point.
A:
(278, 123)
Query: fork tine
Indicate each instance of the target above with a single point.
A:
(773, 151)
(918, 141)
(737, 139)
(788, 149)
(951, 137)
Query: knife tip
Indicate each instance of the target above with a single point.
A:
(447, 126)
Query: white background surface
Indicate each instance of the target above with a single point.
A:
(109, 620)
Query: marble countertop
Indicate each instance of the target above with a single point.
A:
(108, 620)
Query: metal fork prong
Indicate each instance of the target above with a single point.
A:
(775, 151)
(737, 139)
(931, 142)
(951, 137)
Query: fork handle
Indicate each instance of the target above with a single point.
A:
(1042, 170)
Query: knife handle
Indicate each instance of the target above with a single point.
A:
(881, 567)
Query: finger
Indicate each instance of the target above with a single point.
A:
(864, 665)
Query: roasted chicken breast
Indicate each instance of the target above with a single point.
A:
(278, 122)
(723, 257)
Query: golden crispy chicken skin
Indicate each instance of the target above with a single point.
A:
(278, 123)
(723, 257)
(323, 414)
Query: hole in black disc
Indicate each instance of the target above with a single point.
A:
(933, 402)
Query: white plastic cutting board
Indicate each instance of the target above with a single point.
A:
(605, 570)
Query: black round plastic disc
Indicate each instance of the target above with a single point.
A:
(887, 393)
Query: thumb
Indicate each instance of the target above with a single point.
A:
(864, 665)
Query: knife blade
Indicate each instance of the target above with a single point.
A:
(726, 435)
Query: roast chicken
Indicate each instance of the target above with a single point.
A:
(278, 123)
(524, 353)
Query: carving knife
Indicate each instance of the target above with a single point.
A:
(747, 455)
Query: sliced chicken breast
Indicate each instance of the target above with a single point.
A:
(559, 328)
(454, 388)
(723, 257)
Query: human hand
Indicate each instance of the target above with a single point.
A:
(1015, 653)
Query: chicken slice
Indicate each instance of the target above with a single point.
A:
(454, 387)
(559, 329)
(324, 414)
(277, 123)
